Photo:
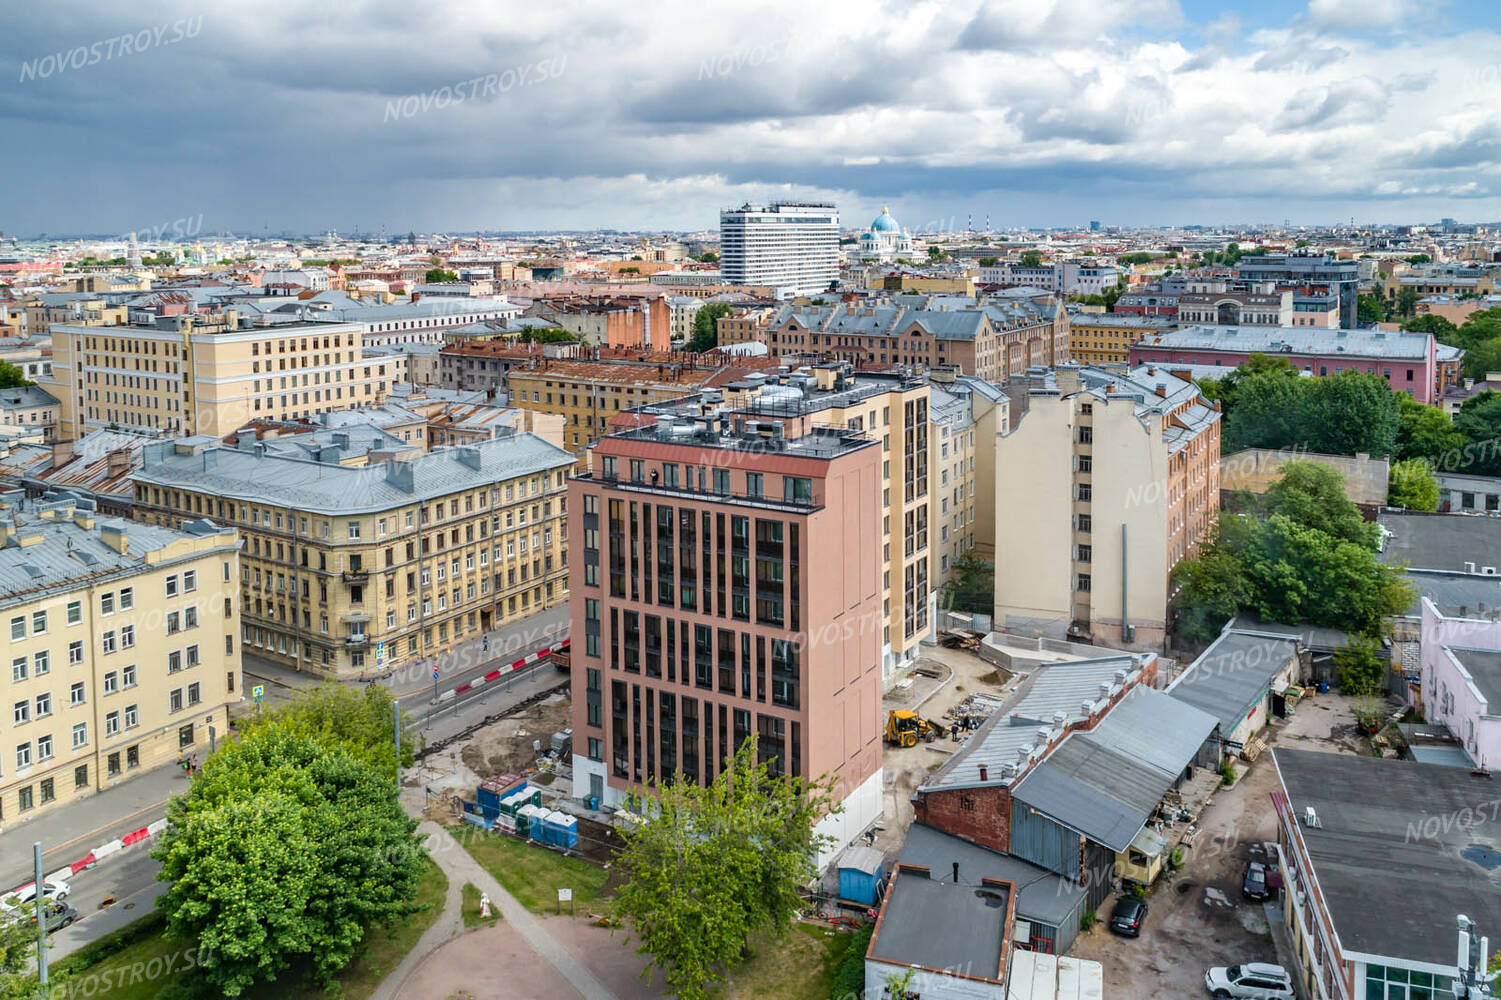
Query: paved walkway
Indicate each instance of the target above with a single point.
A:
(460, 867)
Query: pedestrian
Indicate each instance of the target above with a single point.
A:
(485, 643)
(484, 905)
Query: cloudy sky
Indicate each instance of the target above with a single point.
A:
(442, 116)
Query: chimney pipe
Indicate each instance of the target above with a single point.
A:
(956, 871)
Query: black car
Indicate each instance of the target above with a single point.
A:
(1128, 915)
(1254, 886)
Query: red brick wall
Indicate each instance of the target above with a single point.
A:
(979, 815)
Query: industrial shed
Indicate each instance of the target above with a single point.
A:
(1239, 680)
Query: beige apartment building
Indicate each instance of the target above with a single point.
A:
(122, 649)
(345, 569)
(1105, 481)
(209, 374)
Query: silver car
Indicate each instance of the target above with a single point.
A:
(1252, 981)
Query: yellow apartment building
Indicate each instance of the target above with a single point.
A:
(345, 569)
(121, 649)
(1106, 338)
(209, 374)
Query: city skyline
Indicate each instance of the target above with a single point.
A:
(286, 118)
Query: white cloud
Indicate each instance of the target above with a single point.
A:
(1355, 15)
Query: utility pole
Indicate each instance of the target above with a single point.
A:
(396, 728)
(40, 903)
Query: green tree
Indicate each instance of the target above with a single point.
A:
(1313, 495)
(1256, 364)
(1360, 668)
(1483, 358)
(1424, 431)
(1370, 310)
(1411, 485)
(1418, 258)
(18, 978)
(1141, 257)
(973, 586)
(355, 720)
(1031, 258)
(547, 337)
(1407, 301)
(284, 851)
(1442, 329)
(438, 276)
(1347, 413)
(1264, 412)
(1479, 420)
(1212, 588)
(989, 261)
(705, 326)
(11, 376)
(715, 864)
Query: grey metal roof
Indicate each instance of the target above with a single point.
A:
(337, 489)
(70, 552)
(1051, 689)
(1399, 848)
(1456, 595)
(1233, 674)
(25, 397)
(1319, 638)
(942, 925)
(862, 859)
(1484, 668)
(1296, 340)
(1043, 896)
(1107, 782)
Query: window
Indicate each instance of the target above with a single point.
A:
(128, 676)
(111, 724)
(354, 529)
(75, 615)
(797, 489)
(17, 628)
(41, 663)
(195, 694)
(18, 668)
(48, 790)
(23, 798)
(1083, 582)
(185, 736)
(174, 622)
(23, 756)
(21, 712)
(172, 586)
(127, 598)
(753, 484)
(76, 694)
(114, 765)
(132, 716)
(174, 661)
(127, 636)
(111, 682)
(189, 582)
(106, 604)
(107, 642)
(38, 622)
(133, 755)
(44, 705)
(81, 776)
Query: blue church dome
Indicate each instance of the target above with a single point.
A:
(885, 223)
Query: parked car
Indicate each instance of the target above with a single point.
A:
(51, 889)
(1252, 981)
(1128, 915)
(1254, 885)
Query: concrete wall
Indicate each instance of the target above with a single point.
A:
(1257, 468)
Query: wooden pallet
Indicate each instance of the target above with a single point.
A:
(1253, 748)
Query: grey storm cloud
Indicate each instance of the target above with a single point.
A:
(279, 113)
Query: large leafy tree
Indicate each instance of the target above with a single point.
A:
(1479, 420)
(18, 977)
(1302, 554)
(1347, 413)
(973, 586)
(1264, 412)
(715, 864)
(706, 326)
(1411, 485)
(11, 377)
(1424, 431)
(356, 721)
(284, 851)
(1441, 328)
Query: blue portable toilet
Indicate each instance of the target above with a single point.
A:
(860, 874)
(567, 830)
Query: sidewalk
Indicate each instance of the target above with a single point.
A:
(71, 831)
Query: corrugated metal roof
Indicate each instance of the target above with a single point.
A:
(1233, 674)
(1107, 782)
(1043, 896)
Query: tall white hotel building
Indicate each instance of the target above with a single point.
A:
(792, 246)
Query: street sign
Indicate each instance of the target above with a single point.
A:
(380, 653)
(565, 895)
(258, 692)
(435, 673)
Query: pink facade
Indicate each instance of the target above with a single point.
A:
(722, 593)
(1453, 694)
(1418, 377)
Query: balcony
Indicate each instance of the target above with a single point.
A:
(356, 577)
(360, 641)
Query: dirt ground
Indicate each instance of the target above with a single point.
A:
(960, 675)
(495, 963)
(507, 747)
(1197, 917)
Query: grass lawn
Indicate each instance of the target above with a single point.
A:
(800, 966)
(471, 908)
(137, 963)
(534, 874)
